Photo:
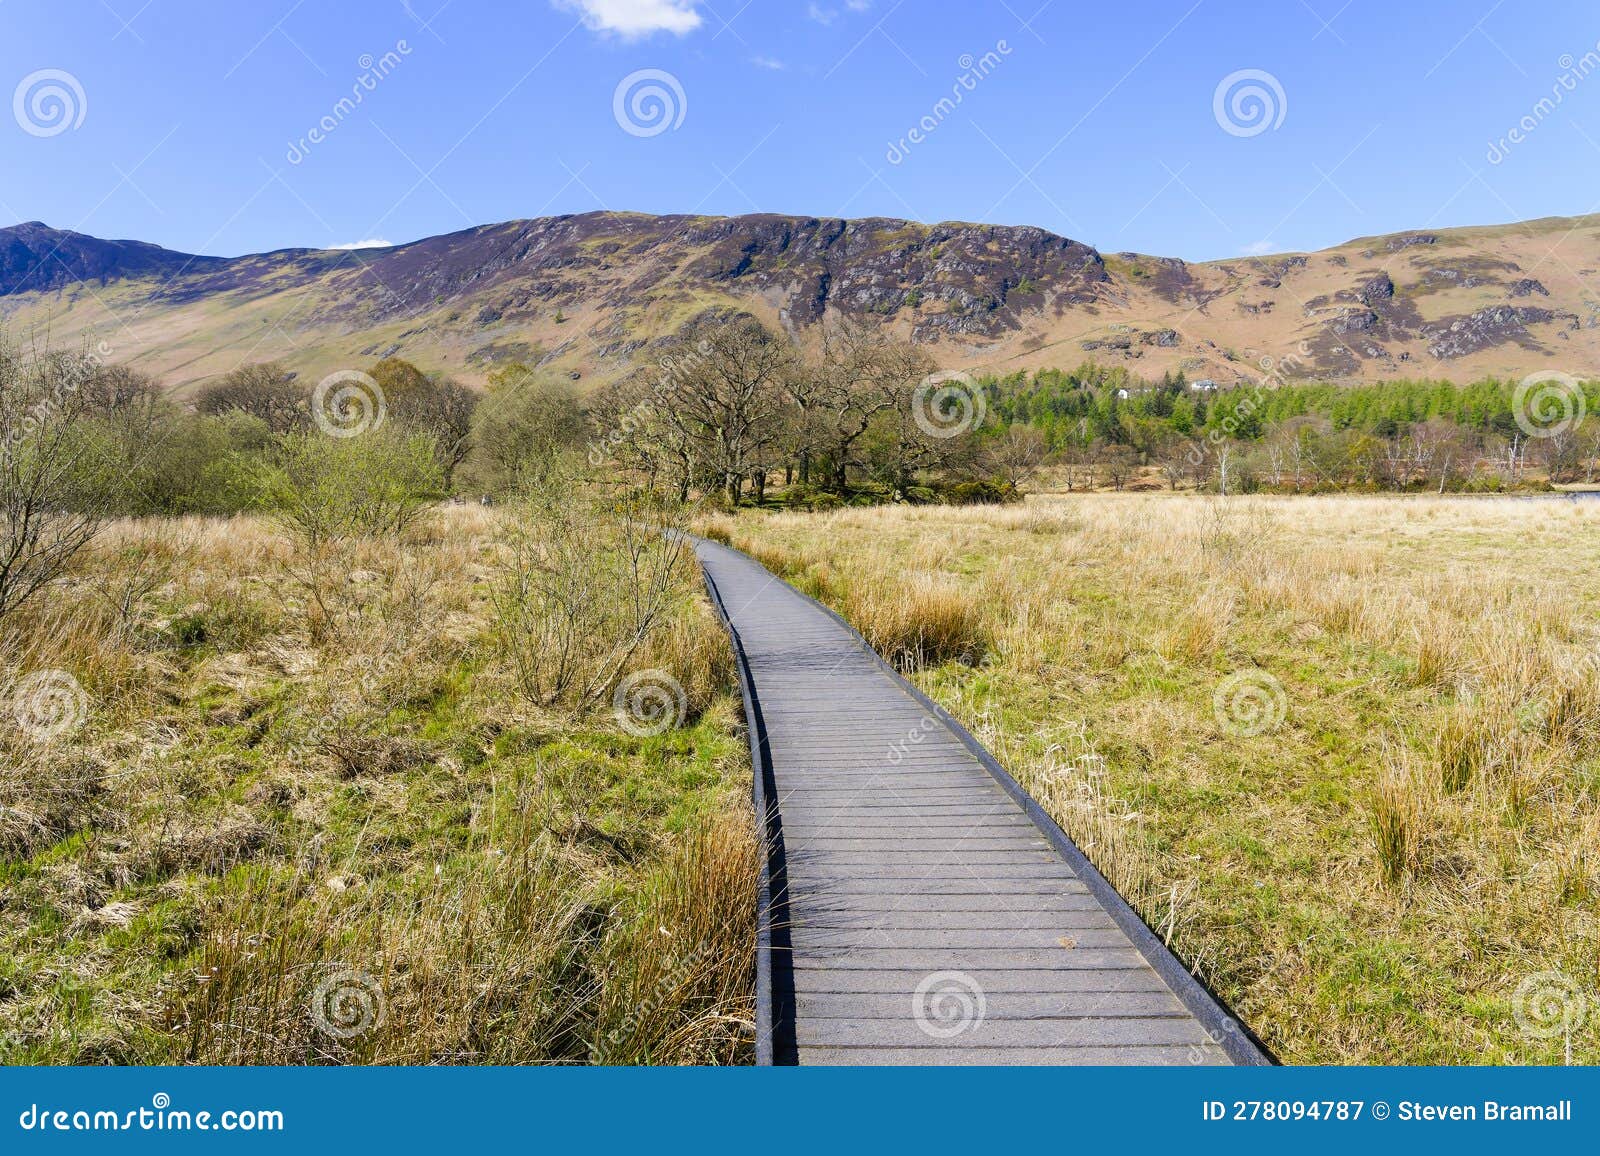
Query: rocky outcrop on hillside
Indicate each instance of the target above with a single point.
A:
(590, 294)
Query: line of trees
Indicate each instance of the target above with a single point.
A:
(1106, 426)
(731, 406)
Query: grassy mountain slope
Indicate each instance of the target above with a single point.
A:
(587, 294)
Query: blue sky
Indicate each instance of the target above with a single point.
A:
(189, 123)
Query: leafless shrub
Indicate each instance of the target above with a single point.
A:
(586, 584)
(52, 483)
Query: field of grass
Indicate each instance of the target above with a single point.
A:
(262, 807)
(1342, 753)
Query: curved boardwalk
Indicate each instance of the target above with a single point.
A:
(919, 907)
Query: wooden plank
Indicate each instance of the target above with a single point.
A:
(960, 1054)
(949, 920)
(826, 939)
(998, 1005)
(809, 979)
(907, 1031)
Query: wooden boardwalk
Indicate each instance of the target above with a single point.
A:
(919, 907)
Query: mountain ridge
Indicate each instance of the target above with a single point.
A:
(588, 294)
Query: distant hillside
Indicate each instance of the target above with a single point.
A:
(587, 295)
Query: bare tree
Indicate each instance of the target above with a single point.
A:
(1121, 461)
(729, 402)
(1016, 455)
(1173, 454)
(863, 372)
(52, 474)
(443, 408)
(266, 391)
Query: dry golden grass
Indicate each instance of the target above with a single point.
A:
(1366, 868)
(307, 781)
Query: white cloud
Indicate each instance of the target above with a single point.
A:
(371, 243)
(1258, 248)
(821, 15)
(768, 62)
(635, 17)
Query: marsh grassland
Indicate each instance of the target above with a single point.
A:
(266, 800)
(1342, 753)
